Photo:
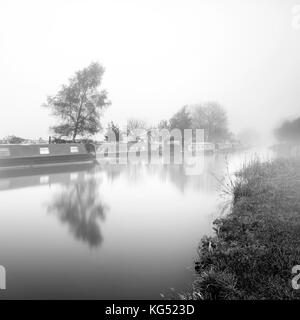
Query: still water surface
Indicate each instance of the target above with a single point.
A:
(107, 232)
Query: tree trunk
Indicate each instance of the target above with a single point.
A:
(74, 135)
(78, 115)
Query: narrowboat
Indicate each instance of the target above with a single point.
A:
(36, 155)
(206, 147)
(229, 146)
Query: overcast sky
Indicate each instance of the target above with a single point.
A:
(159, 55)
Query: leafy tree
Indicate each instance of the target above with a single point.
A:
(78, 105)
(212, 118)
(289, 131)
(181, 120)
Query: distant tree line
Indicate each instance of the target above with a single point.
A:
(209, 116)
(289, 131)
(78, 107)
(12, 140)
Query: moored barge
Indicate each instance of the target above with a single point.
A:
(35, 155)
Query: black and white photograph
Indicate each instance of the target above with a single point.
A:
(150, 151)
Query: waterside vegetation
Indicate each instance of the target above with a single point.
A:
(257, 244)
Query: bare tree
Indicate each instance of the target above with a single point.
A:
(113, 132)
(164, 124)
(136, 128)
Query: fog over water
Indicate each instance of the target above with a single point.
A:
(110, 231)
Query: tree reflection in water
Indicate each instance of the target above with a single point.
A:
(80, 207)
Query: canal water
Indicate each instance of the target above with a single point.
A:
(108, 231)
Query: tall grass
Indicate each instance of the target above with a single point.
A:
(256, 245)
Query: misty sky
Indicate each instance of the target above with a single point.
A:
(159, 55)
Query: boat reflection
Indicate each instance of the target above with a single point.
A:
(33, 177)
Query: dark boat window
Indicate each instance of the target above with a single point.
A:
(4, 152)
(44, 151)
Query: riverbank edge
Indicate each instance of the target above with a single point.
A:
(256, 245)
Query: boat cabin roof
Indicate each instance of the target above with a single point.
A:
(35, 150)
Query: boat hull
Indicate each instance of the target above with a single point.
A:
(28, 156)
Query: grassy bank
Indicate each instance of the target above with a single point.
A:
(256, 246)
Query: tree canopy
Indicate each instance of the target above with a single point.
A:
(289, 131)
(78, 105)
(181, 120)
(211, 117)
